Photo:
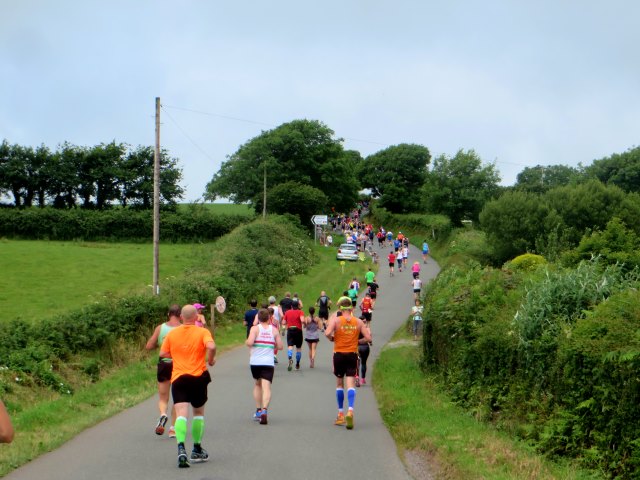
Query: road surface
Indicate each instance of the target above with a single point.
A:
(300, 441)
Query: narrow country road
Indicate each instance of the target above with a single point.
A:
(300, 441)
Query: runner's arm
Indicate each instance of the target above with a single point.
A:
(211, 353)
(366, 333)
(152, 343)
(251, 339)
(6, 429)
(278, 338)
(330, 327)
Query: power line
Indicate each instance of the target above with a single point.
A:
(193, 142)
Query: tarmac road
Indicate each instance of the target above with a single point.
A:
(300, 441)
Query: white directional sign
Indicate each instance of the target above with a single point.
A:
(320, 219)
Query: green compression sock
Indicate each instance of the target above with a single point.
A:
(181, 429)
(197, 429)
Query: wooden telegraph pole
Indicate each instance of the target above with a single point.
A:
(156, 204)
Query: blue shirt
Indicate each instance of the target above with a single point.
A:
(249, 317)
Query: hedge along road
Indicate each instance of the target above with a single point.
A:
(299, 442)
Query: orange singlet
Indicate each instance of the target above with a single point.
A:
(345, 336)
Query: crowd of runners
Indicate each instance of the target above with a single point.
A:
(187, 346)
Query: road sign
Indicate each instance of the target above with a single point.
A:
(221, 305)
(320, 219)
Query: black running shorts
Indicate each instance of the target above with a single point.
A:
(264, 372)
(324, 314)
(164, 371)
(367, 316)
(345, 364)
(294, 337)
(191, 389)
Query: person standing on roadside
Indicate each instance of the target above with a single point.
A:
(250, 315)
(324, 304)
(263, 339)
(293, 320)
(344, 332)
(188, 346)
(312, 325)
(6, 428)
(416, 315)
(164, 369)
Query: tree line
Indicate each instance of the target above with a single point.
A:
(96, 177)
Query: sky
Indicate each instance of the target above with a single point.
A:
(522, 83)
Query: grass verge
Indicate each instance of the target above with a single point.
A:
(437, 439)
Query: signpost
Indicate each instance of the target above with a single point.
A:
(221, 306)
(318, 220)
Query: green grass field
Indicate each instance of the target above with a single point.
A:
(228, 208)
(40, 278)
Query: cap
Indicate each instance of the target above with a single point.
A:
(198, 306)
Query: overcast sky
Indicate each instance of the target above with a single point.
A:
(521, 82)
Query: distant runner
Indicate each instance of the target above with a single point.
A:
(425, 251)
(312, 325)
(392, 261)
(293, 322)
(324, 304)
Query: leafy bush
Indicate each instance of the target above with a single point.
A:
(436, 226)
(118, 224)
(526, 263)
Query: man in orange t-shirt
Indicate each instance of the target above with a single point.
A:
(188, 346)
(344, 331)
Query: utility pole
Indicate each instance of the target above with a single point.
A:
(264, 192)
(156, 204)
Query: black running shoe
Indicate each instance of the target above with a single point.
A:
(162, 421)
(199, 454)
(183, 461)
(263, 418)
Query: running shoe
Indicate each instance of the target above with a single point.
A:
(297, 366)
(183, 461)
(340, 421)
(199, 454)
(350, 420)
(172, 432)
(290, 367)
(363, 381)
(357, 381)
(263, 417)
(162, 421)
(256, 416)
(311, 364)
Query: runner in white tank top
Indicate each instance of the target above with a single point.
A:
(263, 339)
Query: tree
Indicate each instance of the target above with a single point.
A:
(303, 151)
(295, 198)
(458, 187)
(515, 221)
(396, 175)
(621, 169)
(541, 179)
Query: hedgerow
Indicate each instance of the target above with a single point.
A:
(550, 354)
(248, 262)
(118, 224)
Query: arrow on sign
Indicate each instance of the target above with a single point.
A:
(319, 219)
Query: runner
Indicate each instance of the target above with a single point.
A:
(369, 276)
(373, 292)
(389, 238)
(6, 428)
(250, 315)
(200, 321)
(262, 340)
(366, 306)
(293, 322)
(296, 297)
(312, 324)
(164, 369)
(363, 353)
(276, 320)
(400, 260)
(285, 304)
(187, 346)
(392, 261)
(425, 251)
(416, 283)
(405, 255)
(355, 284)
(344, 332)
(352, 293)
(417, 312)
(415, 269)
(324, 304)
(396, 245)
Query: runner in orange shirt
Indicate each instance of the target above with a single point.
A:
(187, 345)
(344, 331)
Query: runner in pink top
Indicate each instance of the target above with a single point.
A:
(415, 269)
